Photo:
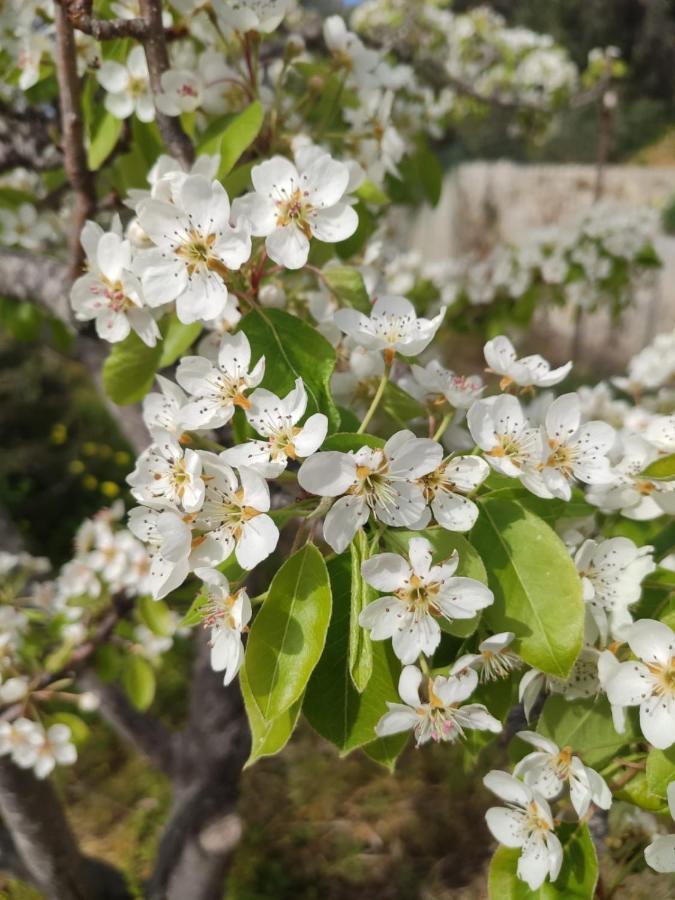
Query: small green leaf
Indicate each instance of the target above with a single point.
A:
(400, 406)
(107, 662)
(536, 586)
(79, 730)
(156, 615)
(371, 193)
(177, 338)
(360, 647)
(577, 879)
(238, 179)
(661, 469)
(129, 370)
(104, 141)
(348, 286)
(138, 680)
(289, 633)
(293, 349)
(267, 737)
(638, 792)
(660, 770)
(238, 136)
(385, 751)
(195, 613)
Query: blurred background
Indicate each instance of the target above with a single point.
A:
(316, 826)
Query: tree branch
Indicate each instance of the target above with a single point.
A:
(75, 158)
(79, 14)
(178, 143)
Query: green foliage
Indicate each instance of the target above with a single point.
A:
(360, 646)
(293, 349)
(238, 135)
(138, 680)
(662, 469)
(660, 770)
(130, 368)
(332, 705)
(104, 141)
(268, 736)
(289, 633)
(537, 589)
(178, 338)
(155, 615)
(348, 286)
(576, 881)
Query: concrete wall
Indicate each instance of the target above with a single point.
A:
(485, 202)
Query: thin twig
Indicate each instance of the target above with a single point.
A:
(75, 157)
(177, 142)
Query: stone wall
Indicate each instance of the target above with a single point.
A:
(483, 203)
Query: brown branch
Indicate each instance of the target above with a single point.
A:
(75, 158)
(79, 14)
(177, 142)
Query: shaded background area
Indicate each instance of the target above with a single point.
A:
(315, 826)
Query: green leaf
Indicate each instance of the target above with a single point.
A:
(177, 338)
(293, 349)
(156, 615)
(344, 441)
(348, 286)
(79, 730)
(536, 586)
(129, 370)
(138, 680)
(289, 632)
(430, 174)
(267, 737)
(104, 141)
(576, 881)
(333, 706)
(360, 646)
(107, 662)
(660, 770)
(371, 193)
(637, 792)
(238, 179)
(238, 136)
(444, 544)
(385, 751)
(661, 469)
(584, 725)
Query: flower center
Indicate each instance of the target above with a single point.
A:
(561, 458)
(196, 250)
(294, 209)
(663, 678)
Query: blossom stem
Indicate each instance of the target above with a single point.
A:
(442, 428)
(375, 401)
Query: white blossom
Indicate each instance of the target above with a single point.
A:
(381, 481)
(166, 475)
(648, 682)
(110, 293)
(227, 615)
(393, 326)
(417, 593)
(549, 767)
(215, 390)
(276, 419)
(195, 244)
(438, 383)
(440, 715)
(494, 659)
(525, 823)
(128, 86)
(660, 854)
(290, 206)
(528, 371)
(445, 490)
(612, 572)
